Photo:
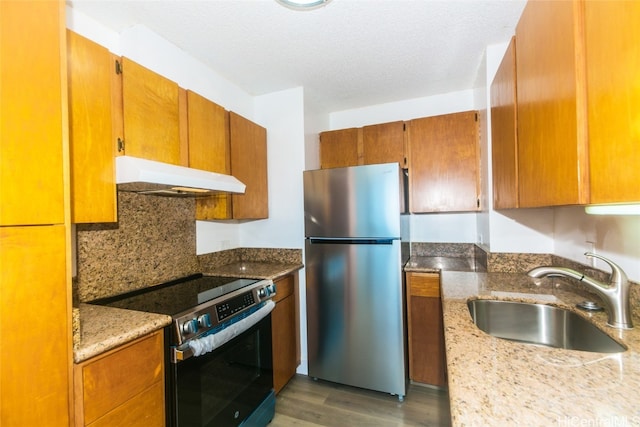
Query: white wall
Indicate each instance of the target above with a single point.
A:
(152, 51)
(283, 115)
(615, 237)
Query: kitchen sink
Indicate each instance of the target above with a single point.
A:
(540, 324)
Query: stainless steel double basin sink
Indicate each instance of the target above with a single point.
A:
(540, 324)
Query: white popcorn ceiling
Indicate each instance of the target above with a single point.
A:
(349, 54)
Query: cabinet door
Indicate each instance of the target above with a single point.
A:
(249, 165)
(284, 342)
(209, 150)
(552, 151)
(613, 65)
(208, 135)
(339, 148)
(285, 331)
(35, 327)
(443, 169)
(383, 143)
(504, 132)
(151, 114)
(92, 146)
(33, 104)
(128, 378)
(427, 362)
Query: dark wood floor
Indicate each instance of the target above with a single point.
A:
(305, 402)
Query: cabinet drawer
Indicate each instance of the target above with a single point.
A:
(144, 410)
(119, 376)
(284, 288)
(424, 285)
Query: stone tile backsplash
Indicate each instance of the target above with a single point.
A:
(153, 242)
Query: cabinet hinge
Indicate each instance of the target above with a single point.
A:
(118, 67)
(120, 145)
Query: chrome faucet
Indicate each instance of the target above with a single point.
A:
(615, 295)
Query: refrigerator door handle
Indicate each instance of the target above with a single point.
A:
(322, 241)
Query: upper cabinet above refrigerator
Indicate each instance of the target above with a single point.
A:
(439, 154)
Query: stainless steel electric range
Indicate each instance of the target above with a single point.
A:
(218, 348)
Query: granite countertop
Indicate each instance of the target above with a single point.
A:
(495, 382)
(104, 328)
(99, 328)
(436, 264)
(253, 270)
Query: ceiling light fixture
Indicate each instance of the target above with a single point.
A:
(303, 4)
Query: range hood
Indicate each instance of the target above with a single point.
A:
(162, 179)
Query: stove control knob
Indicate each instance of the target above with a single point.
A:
(204, 321)
(267, 291)
(190, 326)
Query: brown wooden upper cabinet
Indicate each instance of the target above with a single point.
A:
(208, 149)
(91, 80)
(249, 164)
(613, 66)
(340, 148)
(443, 163)
(208, 129)
(384, 143)
(245, 145)
(504, 132)
(368, 145)
(151, 114)
(31, 123)
(577, 142)
(552, 140)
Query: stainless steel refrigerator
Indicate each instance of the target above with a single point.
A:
(354, 280)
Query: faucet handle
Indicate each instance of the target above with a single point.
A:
(618, 276)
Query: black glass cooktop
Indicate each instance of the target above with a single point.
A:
(179, 295)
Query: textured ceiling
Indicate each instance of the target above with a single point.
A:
(349, 54)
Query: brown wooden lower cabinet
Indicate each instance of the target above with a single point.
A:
(124, 386)
(427, 362)
(285, 328)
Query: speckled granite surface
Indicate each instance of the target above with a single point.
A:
(435, 264)
(495, 382)
(229, 259)
(105, 328)
(153, 242)
(254, 270)
(447, 250)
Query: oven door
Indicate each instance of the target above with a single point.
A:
(223, 387)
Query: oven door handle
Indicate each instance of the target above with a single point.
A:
(202, 345)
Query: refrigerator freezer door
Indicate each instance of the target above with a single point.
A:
(355, 315)
(358, 201)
